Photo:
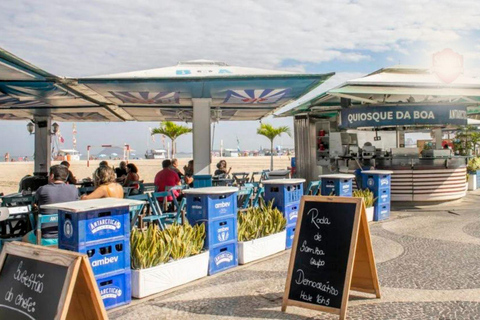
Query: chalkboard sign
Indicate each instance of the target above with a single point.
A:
(44, 283)
(27, 288)
(329, 233)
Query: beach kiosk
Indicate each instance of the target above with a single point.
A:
(363, 124)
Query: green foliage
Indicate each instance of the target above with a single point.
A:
(152, 246)
(171, 130)
(467, 139)
(367, 196)
(258, 222)
(271, 132)
(473, 164)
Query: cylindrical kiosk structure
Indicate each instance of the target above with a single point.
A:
(286, 195)
(217, 208)
(336, 184)
(379, 181)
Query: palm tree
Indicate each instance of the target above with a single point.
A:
(271, 133)
(171, 130)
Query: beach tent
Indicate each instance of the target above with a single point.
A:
(197, 91)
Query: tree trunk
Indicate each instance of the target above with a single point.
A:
(271, 155)
(173, 149)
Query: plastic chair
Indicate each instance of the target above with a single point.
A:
(136, 211)
(85, 190)
(243, 197)
(156, 208)
(259, 194)
(43, 219)
(17, 201)
(146, 187)
(313, 188)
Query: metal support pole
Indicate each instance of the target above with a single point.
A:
(201, 136)
(43, 145)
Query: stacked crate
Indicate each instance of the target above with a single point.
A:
(217, 208)
(337, 184)
(286, 195)
(378, 181)
(103, 235)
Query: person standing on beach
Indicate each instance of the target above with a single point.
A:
(7, 157)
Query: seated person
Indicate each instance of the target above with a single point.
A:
(167, 178)
(188, 178)
(71, 178)
(105, 185)
(121, 171)
(222, 169)
(56, 191)
(103, 164)
(132, 178)
(174, 167)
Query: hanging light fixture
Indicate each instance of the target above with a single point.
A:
(30, 128)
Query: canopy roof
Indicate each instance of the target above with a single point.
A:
(393, 86)
(236, 93)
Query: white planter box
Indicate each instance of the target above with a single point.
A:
(472, 182)
(260, 248)
(370, 212)
(163, 277)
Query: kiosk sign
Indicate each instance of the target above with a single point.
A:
(403, 116)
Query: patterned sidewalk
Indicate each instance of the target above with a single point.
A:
(428, 261)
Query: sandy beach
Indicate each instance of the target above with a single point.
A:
(12, 172)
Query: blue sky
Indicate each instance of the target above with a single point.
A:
(352, 38)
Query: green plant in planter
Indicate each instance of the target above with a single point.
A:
(258, 222)
(151, 247)
(473, 165)
(367, 196)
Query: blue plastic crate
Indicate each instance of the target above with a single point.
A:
(338, 186)
(290, 212)
(223, 257)
(283, 194)
(201, 208)
(290, 235)
(92, 226)
(221, 230)
(382, 195)
(376, 181)
(115, 288)
(381, 212)
(105, 257)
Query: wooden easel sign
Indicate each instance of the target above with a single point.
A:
(331, 255)
(45, 283)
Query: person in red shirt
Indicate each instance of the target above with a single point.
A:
(167, 178)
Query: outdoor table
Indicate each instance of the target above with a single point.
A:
(240, 178)
(222, 182)
(338, 183)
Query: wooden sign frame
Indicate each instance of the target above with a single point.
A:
(361, 273)
(80, 298)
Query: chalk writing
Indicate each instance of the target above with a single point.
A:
(325, 287)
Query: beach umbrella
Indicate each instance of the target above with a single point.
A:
(102, 155)
(113, 154)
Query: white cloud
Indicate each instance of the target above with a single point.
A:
(97, 37)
